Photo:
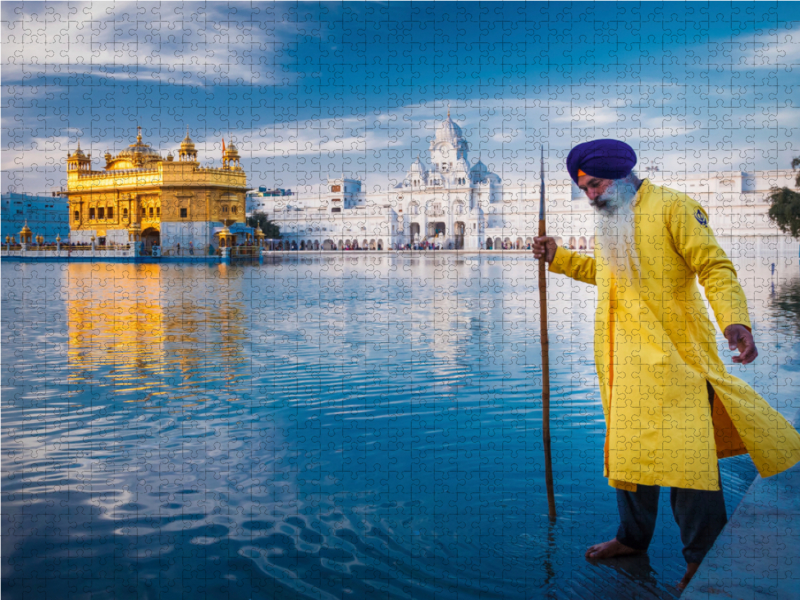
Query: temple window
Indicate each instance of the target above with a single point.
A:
(184, 213)
(151, 211)
(234, 209)
(77, 215)
(158, 211)
(91, 213)
(110, 212)
(224, 210)
(125, 213)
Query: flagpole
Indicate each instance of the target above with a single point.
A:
(548, 460)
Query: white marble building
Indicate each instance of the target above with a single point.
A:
(457, 206)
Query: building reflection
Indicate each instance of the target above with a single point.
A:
(153, 335)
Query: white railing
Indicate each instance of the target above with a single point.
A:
(68, 252)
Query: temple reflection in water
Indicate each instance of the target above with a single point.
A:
(136, 324)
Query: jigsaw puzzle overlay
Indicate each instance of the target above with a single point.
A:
(271, 312)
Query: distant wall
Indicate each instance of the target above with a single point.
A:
(46, 215)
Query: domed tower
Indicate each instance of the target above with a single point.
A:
(448, 146)
(187, 153)
(417, 174)
(230, 157)
(78, 161)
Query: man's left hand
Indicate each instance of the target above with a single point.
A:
(740, 338)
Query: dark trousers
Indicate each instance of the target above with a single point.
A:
(700, 514)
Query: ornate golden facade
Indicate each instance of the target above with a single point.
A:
(141, 196)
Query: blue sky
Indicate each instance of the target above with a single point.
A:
(308, 90)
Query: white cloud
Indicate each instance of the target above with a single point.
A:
(131, 41)
(778, 51)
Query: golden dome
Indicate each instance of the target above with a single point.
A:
(25, 230)
(79, 153)
(135, 156)
(139, 147)
(231, 151)
(187, 143)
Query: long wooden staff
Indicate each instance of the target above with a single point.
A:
(548, 461)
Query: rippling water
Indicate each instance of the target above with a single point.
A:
(326, 427)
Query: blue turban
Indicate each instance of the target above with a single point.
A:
(607, 159)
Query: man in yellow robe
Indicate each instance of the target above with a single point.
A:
(671, 408)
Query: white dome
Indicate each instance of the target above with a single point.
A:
(479, 168)
(480, 173)
(417, 167)
(448, 131)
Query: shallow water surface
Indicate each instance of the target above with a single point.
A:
(326, 427)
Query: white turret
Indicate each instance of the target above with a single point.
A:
(448, 146)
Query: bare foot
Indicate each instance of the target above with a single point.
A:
(691, 569)
(609, 550)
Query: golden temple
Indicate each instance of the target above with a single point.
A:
(142, 197)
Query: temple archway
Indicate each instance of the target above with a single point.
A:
(459, 228)
(151, 236)
(436, 228)
(414, 232)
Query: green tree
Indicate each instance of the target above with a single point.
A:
(270, 229)
(785, 206)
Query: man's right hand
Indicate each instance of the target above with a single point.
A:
(545, 247)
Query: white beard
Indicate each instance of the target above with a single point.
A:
(616, 229)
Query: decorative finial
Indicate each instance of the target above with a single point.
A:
(448, 110)
(138, 133)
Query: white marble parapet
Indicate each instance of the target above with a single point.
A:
(64, 253)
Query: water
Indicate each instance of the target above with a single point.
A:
(335, 427)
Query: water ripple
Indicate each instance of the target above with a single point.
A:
(317, 427)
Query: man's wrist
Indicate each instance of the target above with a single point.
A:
(737, 325)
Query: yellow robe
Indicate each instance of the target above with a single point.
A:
(655, 349)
